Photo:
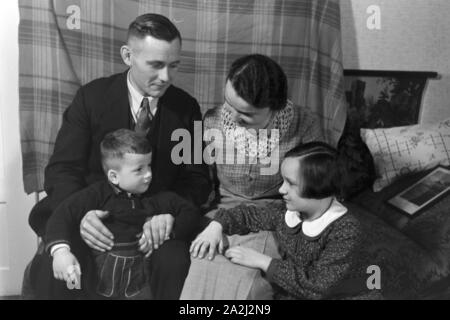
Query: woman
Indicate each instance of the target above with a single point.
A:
(255, 99)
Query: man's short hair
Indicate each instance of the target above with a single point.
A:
(155, 25)
(117, 143)
(319, 171)
(260, 81)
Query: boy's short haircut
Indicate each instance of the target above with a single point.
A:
(260, 81)
(117, 143)
(319, 170)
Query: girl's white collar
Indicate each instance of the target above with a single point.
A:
(315, 227)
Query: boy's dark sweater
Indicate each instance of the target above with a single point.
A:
(127, 214)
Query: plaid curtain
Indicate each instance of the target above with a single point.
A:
(66, 43)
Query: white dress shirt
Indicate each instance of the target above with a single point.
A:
(135, 99)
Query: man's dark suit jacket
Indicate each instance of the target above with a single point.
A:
(100, 107)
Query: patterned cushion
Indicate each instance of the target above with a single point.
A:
(401, 150)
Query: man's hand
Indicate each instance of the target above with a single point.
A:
(248, 257)
(63, 263)
(156, 231)
(208, 240)
(93, 231)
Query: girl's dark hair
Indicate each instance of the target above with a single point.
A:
(319, 170)
(260, 81)
(155, 25)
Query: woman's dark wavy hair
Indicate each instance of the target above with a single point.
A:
(260, 81)
(319, 170)
(155, 25)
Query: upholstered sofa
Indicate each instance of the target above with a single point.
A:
(413, 253)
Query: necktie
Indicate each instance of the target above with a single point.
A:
(144, 117)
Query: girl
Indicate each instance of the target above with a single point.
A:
(319, 240)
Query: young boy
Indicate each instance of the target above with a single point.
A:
(120, 273)
(319, 240)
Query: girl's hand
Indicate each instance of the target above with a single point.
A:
(248, 257)
(208, 240)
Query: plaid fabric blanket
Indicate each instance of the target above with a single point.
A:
(66, 43)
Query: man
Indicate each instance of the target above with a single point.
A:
(144, 99)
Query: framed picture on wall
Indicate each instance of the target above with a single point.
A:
(423, 193)
(384, 99)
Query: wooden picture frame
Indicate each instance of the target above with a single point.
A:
(423, 193)
(384, 99)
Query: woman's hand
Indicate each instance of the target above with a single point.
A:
(208, 240)
(94, 232)
(248, 257)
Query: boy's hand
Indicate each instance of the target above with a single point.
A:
(144, 245)
(208, 240)
(157, 230)
(93, 231)
(65, 264)
(248, 257)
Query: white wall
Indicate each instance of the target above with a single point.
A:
(17, 240)
(414, 36)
